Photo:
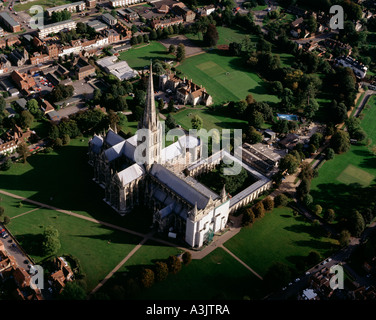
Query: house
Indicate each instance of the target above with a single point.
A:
(22, 80)
(62, 275)
(83, 69)
(46, 106)
(296, 23)
(112, 35)
(359, 69)
(206, 11)
(180, 9)
(128, 14)
(4, 63)
(164, 8)
(56, 27)
(185, 90)
(71, 7)
(10, 139)
(90, 4)
(9, 23)
(18, 57)
(122, 3)
(97, 25)
(109, 19)
(157, 23)
(120, 69)
(38, 58)
(289, 141)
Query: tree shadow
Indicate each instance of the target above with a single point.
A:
(31, 243)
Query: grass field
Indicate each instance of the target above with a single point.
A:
(224, 77)
(140, 56)
(44, 3)
(352, 174)
(83, 239)
(211, 119)
(339, 179)
(63, 179)
(369, 117)
(216, 276)
(279, 236)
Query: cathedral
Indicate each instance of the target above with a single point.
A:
(181, 205)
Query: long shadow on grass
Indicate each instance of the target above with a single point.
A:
(341, 197)
(65, 181)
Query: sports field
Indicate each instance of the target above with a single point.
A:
(224, 77)
(353, 174)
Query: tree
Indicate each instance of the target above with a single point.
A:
(73, 291)
(51, 243)
(340, 141)
(367, 215)
(317, 209)
(23, 151)
(268, 203)
(248, 217)
(281, 200)
(253, 135)
(153, 34)
(170, 105)
(256, 119)
(187, 257)
(329, 215)
(174, 264)
(7, 164)
(171, 49)
(307, 200)
(356, 223)
(160, 271)
(147, 277)
(211, 36)
(329, 154)
(6, 220)
(196, 122)
(33, 107)
(26, 119)
(289, 163)
(344, 238)
(2, 211)
(65, 139)
(258, 209)
(303, 188)
(180, 52)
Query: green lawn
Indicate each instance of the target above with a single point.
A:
(279, 236)
(211, 119)
(87, 241)
(224, 77)
(368, 118)
(140, 56)
(12, 206)
(218, 275)
(63, 179)
(340, 180)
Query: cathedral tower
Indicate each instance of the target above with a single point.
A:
(150, 121)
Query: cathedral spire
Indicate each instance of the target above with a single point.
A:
(149, 120)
